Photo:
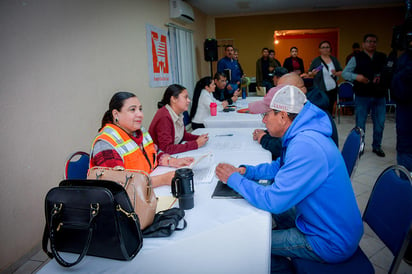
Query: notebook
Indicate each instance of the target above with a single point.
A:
(224, 191)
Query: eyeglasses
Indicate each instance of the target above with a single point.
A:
(325, 47)
(267, 112)
(370, 41)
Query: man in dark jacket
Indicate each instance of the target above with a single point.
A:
(364, 69)
(314, 95)
(221, 92)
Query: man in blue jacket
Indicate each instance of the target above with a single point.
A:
(312, 199)
(231, 68)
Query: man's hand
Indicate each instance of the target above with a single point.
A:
(237, 92)
(257, 134)
(362, 79)
(223, 171)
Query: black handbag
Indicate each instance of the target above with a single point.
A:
(93, 217)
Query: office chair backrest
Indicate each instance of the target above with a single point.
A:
(186, 118)
(389, 211)
(345, 90)
(77, 165)
(352, 148)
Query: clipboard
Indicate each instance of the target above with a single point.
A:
(223, 191)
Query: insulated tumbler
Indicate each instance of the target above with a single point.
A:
(213, 109)
(183, 187)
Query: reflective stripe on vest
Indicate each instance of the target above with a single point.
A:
(133, 157)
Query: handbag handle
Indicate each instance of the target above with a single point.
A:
(174, 187)
(100, 173)
(94, 211)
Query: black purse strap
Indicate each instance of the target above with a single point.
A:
(183, 227)
(94, 211)
(324, 63)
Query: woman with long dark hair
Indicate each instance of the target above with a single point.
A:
(167, 128)
(202, 97)
(122, 141)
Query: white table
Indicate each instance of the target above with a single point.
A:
(230, 139)
(222, 236)
(233, 119)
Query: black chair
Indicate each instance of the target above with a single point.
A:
(77, 165)
(352, 149)
(345, 97)
(389, 214)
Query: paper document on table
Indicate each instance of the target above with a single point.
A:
(203, 168)
(199, 158)
(165, 202)
(226, 143)
(204, 175)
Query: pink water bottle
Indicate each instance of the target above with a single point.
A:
(213, 109)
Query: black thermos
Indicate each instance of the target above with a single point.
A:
(183, 188)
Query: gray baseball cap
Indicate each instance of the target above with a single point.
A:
(289, 98)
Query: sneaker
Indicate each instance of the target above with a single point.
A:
(379, 152)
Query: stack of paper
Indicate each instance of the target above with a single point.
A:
(203, 168)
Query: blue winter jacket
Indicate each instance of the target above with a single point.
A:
(314, 179)
(233, 65)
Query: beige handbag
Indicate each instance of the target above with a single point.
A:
(138, 186)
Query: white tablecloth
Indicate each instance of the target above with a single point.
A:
(222, 236)
(233, 119)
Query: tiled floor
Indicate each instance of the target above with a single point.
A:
(365, 175)
(368, 169)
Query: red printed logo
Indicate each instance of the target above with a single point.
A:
(159, 53)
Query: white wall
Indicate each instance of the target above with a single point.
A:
(61, 61)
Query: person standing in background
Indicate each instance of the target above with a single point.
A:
(294, 63)
(355, 49)
(326, 69)
(364, 69)
(230, 67)
(272, 56)
(236, 57)
(263, 65)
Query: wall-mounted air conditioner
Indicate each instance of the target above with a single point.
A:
(181, 11)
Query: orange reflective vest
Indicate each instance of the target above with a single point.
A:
(142, 157)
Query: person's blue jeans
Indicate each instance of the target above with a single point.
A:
(267, 84)
(377, 107)
(288, 241)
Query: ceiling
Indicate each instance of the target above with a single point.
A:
(230, 8)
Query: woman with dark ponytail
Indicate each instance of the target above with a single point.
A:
(122, 141)
(167, 128)
(202, 97)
